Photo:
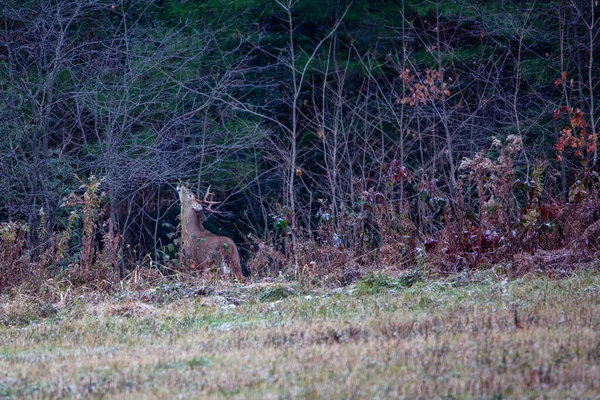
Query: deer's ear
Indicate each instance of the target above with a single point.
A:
(197, 207)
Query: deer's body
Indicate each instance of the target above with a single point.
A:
(202, 249)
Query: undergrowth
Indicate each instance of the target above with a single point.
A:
(407, 227)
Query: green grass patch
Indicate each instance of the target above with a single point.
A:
(378, 283)
(276, 293)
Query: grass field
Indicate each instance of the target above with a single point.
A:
(468, 337)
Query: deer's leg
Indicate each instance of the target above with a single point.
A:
(234, 262)
(225, 265)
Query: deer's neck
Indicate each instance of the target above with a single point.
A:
(191, 221)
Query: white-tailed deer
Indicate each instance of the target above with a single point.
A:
(202, 249)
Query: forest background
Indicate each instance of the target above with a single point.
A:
(337, 135)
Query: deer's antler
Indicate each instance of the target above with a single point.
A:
(208, 202)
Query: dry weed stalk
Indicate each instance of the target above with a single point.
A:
(14, 259)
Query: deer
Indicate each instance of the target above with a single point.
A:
(201, 249)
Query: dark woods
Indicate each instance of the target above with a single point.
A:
(338, 136)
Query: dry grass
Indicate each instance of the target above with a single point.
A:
(473, 338)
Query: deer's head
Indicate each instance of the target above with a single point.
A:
(191, 204)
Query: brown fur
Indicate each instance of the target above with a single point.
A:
(202, 249)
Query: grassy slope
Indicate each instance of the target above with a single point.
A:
(484, 338)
